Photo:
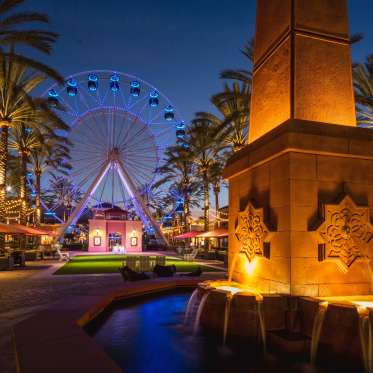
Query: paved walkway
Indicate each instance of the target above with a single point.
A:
(25, 292)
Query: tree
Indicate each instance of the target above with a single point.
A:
(205, 148)
(177, 173)
(18, 108)
(216, 178)
(234, 105)
(363, 83)
(15, 30)
(63, 193)
(51, 155)
(243, 76)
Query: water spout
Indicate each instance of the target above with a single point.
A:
(316, 330)
(262, 328)
(190, 306)
(365, 333)
(199, 312)
(227, 312)
(233, 266)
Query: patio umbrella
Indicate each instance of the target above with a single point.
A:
(32, 231)
(187, 235)
(216, 233)
(10, 229)
(22, 229)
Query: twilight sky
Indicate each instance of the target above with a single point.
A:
(178, 46)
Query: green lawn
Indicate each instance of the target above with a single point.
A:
(95, 264)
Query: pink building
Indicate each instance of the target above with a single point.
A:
(110, 229)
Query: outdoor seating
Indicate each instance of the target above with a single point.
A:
(196, 273)
(63, 256)
(144, 265)
(191, 256)
(164, 271)
(119, 250)
(160, 260)
(6, 263)
(131, 262)
(130, 275)
(179, 250)
(18, 258)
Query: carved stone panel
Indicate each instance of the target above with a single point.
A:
(346, 232)
(251, 232)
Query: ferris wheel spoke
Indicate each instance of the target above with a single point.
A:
(136, 136)
(82, 94)
(138, 114)
(137, 102)
(91, 152)
(125, 102)
(70, 110)
(80, 172)
(87, 95)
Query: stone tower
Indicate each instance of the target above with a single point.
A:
(302, 64)
(301, 191)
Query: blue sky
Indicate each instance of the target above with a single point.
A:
(178, 46)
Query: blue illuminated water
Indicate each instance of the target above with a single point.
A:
(148, 336)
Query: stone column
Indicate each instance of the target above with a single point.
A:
(302, 64)
(307, 172)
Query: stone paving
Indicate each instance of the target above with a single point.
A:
(25, 292)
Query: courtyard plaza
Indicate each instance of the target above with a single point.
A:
(27, 291)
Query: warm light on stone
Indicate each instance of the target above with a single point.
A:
(302, 64)
(306, 163)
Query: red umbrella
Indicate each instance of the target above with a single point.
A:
(10, 229)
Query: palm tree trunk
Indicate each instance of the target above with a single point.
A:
(216, 193)
(23, 188)
(38, 197)
(3, 169)
(206, 208)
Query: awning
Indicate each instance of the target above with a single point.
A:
(187, 235)
(10, 229)
(216, 233)
(22, 229)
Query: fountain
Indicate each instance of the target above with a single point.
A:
(197, 320)
(316, 330)
(192, 302)
(365, 332)
(300, 236)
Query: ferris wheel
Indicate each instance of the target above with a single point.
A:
(120, 126)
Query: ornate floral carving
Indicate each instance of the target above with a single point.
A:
(346, 232)
(251, 231)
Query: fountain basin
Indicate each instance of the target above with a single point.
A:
(289, 322)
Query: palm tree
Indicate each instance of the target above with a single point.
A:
(51, 155)
(42, 152)
(232, 127)
(205, 149)
(19, 108)
(216, 178)
(63, 193)
(177, 174)
(243, 76)
(363, 82)
(15, 30)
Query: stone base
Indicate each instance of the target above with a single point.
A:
(289, 322)
(292, 173)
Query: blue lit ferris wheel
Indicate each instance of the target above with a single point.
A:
(120, 126)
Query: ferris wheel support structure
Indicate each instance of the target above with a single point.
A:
(114, 162)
